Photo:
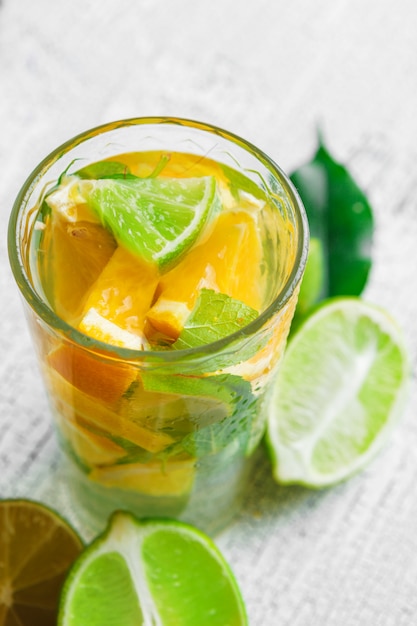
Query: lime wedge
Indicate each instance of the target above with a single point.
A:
(151, 572)
(340, 390)
(37, 548)
(157, 219)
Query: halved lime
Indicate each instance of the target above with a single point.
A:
(157, 219)
(37, 548)
(158, 572)
(340, 390)
(314, 278)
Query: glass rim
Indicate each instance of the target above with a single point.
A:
(47, 314)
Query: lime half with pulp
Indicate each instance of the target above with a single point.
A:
(341, 389)
(37, 547)
(157, 219)
(159, 572)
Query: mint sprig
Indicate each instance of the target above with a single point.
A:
(215, 316)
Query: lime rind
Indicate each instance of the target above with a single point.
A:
(124, 542)
(119, 539)
(340, 392)
(314, 278)
(34, 506)
(157, 219)
(37, 547)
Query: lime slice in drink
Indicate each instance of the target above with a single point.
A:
(36, 550)
(151, 572)
(340, 390)
(157, 219)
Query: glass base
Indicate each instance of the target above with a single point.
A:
(211, 504)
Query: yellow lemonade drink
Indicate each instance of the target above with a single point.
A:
(162, 287)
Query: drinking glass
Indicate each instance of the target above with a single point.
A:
(163, 433)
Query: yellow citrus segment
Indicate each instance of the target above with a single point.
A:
(262, 365)
(156, 479)
(97, 326)
(75, 255)
(228, 261)
(75, 405)
(37, 548)
(168, 316)
(91, 448)
(121, 297)
(69, 203)
(96, 375)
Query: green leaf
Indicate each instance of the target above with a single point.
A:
(215, 315)
(237, 409)
(235, 428)
(105, 169)
(341, 227)
(117, 170)
(238, 182)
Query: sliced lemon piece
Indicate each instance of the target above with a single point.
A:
(91, 448)
(102, 378)
(169, 478)
(97, 326)
(74, 405)
(72, 256)
(117, 303)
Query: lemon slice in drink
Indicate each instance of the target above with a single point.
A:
(36, 550)
(157, 219)
(151, 572)
(340, 390)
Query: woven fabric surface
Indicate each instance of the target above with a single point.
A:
(272, 72)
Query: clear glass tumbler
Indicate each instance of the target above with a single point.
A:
(163, 433)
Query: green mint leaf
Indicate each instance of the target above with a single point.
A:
(235, 414)
(234, 428)
(238, 182)
(117, 170)
(215, 315)
(105, 169)
(341, 227)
